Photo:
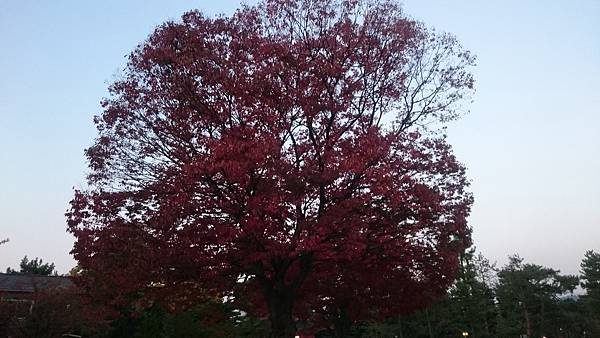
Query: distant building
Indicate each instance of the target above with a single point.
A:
(18, 292)
(23, 286)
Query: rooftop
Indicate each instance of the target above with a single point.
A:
(29, 283)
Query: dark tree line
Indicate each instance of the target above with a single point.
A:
(518, 299)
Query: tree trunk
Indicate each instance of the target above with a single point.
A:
(281, 301)
(429, 323)
(527, 322)
(542, 319)
(400, 328)
(280, 295)
(341, 324)
(486, 325)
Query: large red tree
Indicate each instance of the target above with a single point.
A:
(291, 146)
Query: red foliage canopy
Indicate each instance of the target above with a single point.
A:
(285, 145)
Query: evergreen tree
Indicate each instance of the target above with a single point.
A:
(590, 275)
(472, 297)
(34, 267)
(468, 307)
(527, 296)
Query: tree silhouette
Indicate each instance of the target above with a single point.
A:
(35, 267)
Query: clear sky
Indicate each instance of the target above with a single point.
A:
(531, 141)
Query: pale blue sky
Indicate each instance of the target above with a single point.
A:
(531, 141)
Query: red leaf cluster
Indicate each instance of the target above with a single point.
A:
(284, 146)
